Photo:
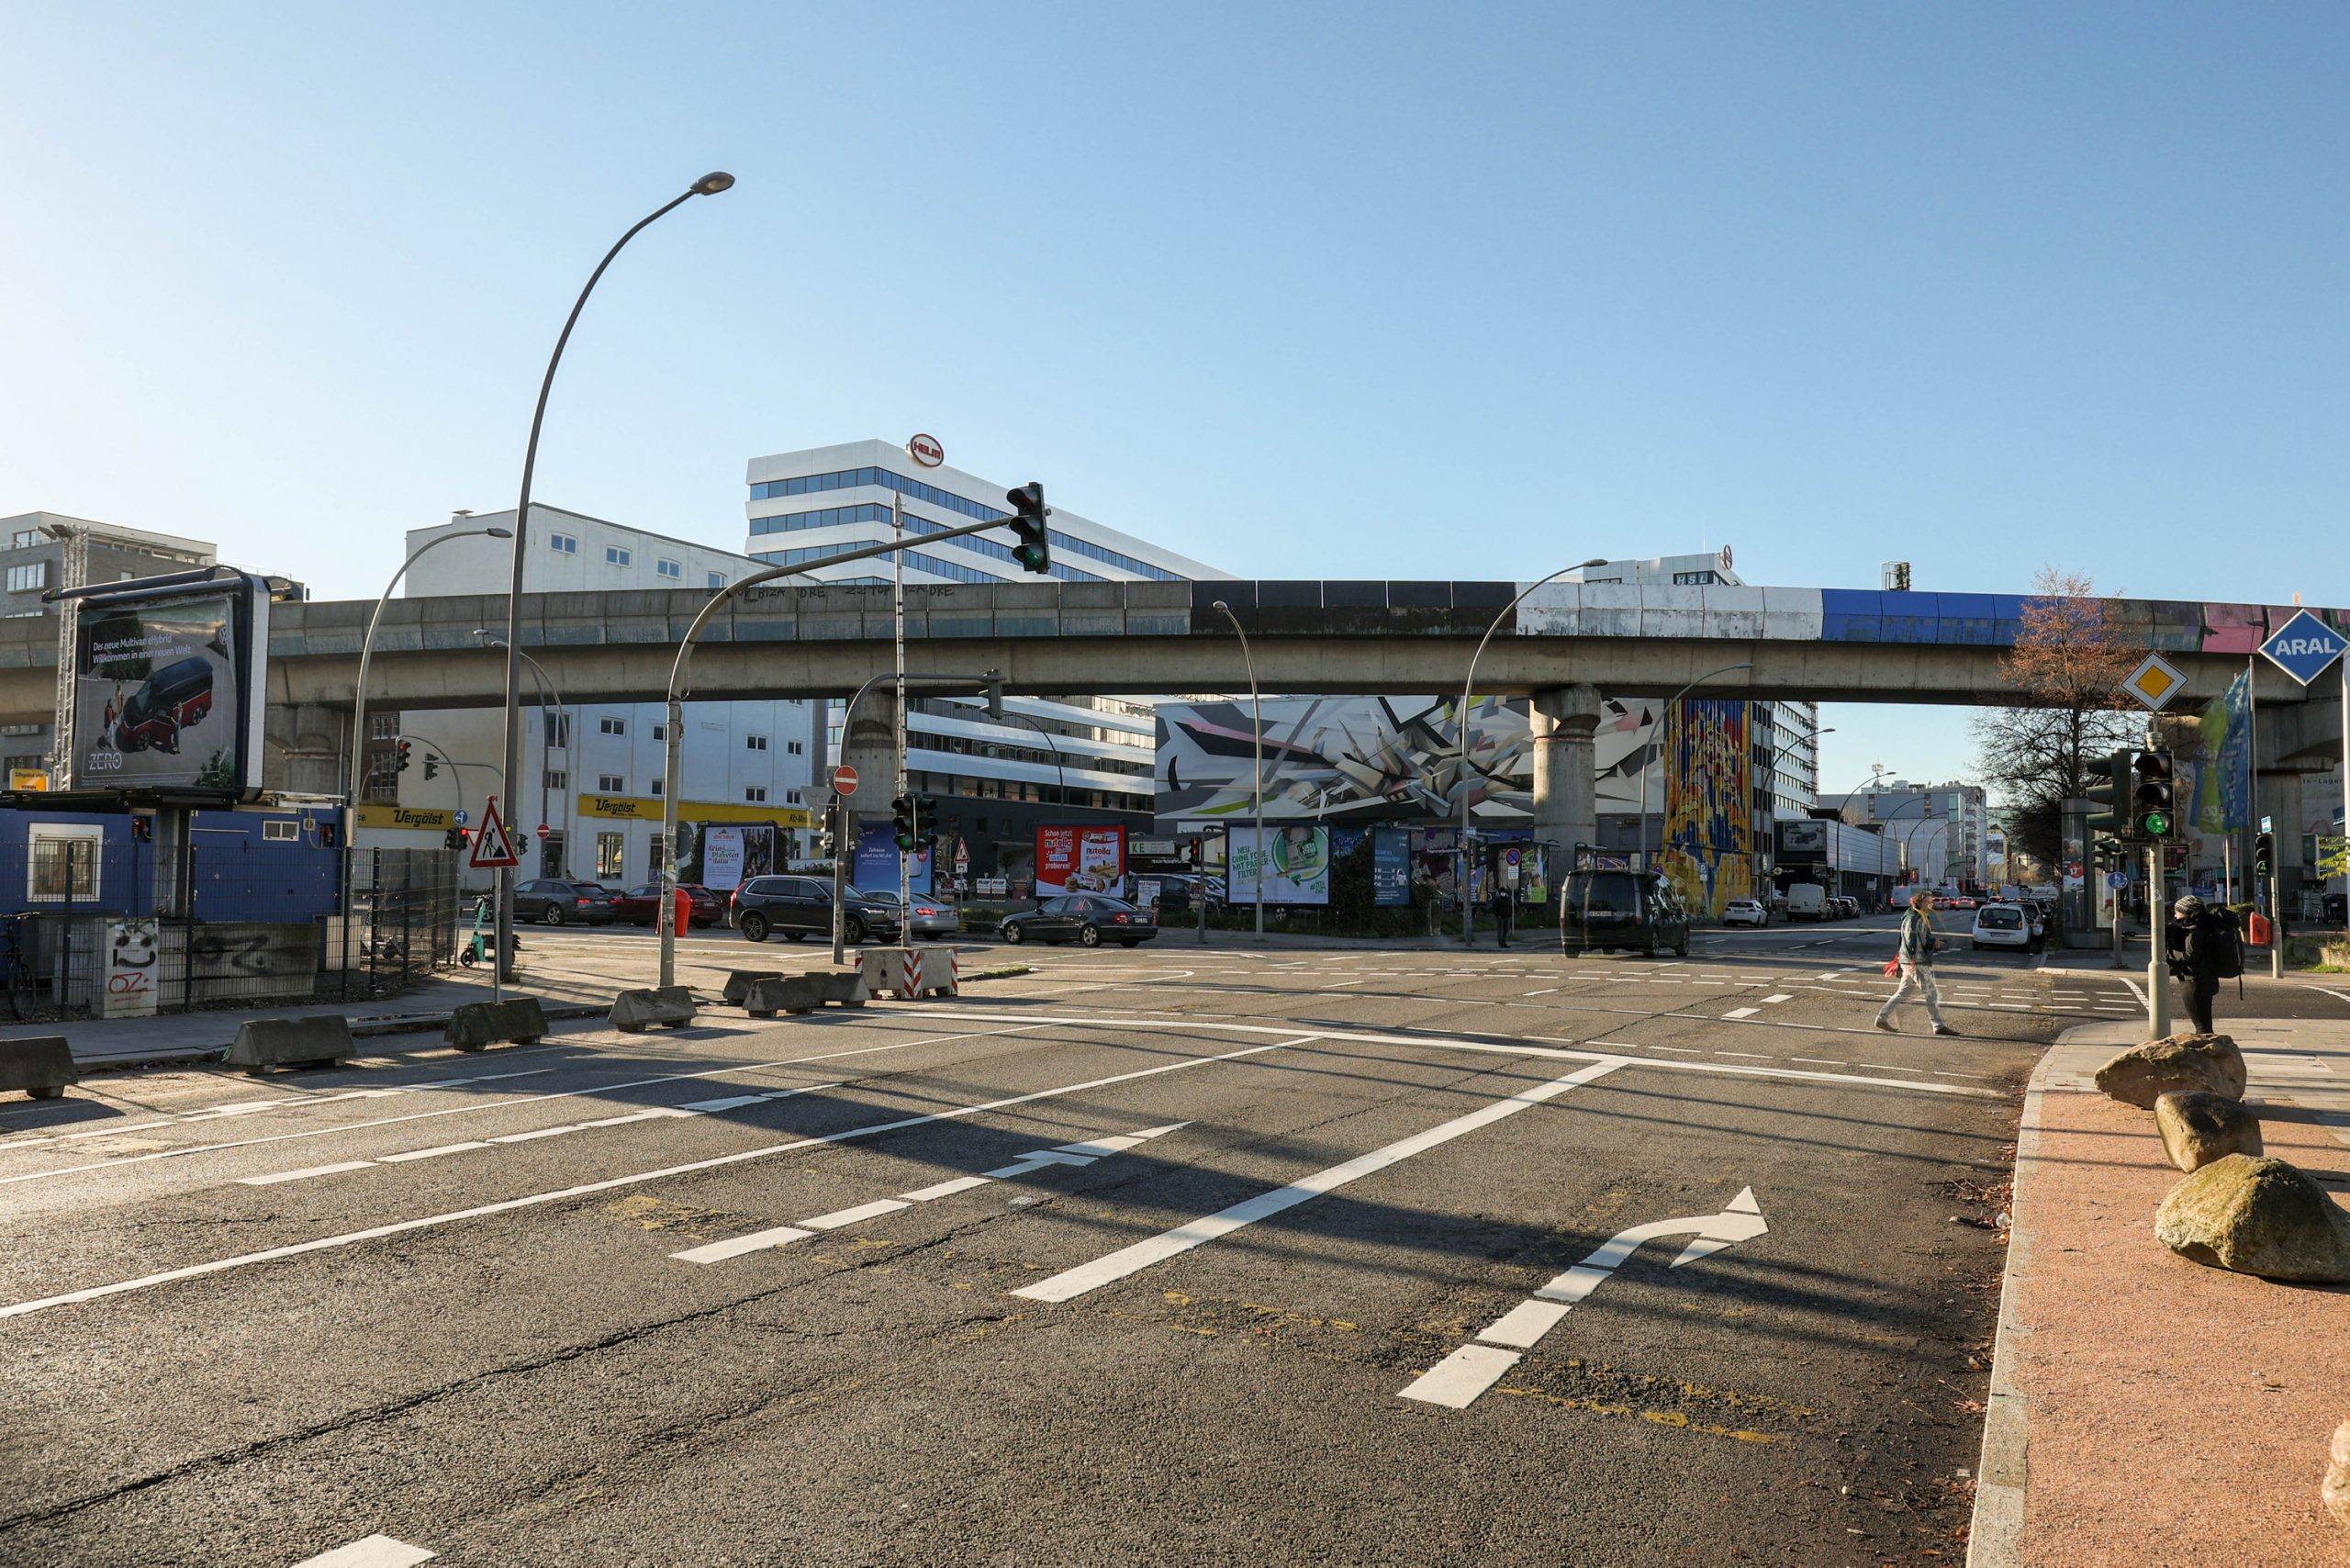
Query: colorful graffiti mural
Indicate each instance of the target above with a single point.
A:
(1708, 804)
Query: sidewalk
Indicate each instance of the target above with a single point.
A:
(2147, 1412)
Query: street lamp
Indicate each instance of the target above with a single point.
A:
(1662, 721)
(1256, 729)
(709, 184)
(1468, 914)
(367, 647)
(547, 694)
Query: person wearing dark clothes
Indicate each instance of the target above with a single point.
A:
(2194, 956)
(1504, 913)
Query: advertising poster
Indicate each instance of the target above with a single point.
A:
(709, 851)
(1081, 860)
(1391, 866)
(160, 691)
(722, 858)
(876, 866)
(1296, 863)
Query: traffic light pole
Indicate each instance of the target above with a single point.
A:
(905, 774)
(2158, 942)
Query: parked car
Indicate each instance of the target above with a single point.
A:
(175, 697)
(1745, 911)
(2002, 925)
(640, 905)
(560, 902)
(797, 907)
(1808, 901)
(1090, 919)
(1622, 909)
(932, 917)
(1958, 901)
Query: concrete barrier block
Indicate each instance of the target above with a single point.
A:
(634, 1012)
(845, 987)
(320, 1040)
(739, 983)
(772, 994)
(473, 1026)
(40, 1065)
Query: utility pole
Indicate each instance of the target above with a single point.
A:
(2158, 945)
(905, 774)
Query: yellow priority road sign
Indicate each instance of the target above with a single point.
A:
(2154, 682)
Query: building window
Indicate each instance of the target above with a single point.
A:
(22, 729)
(281, 830)
(563, 543)
(611, 849)
(756, 794)
(616, 556)
(32, 761)
(556, 778)
(25, 538)
(23, 579)
(791, 797)
(794, 748)
(660, 732)
(658, 786)
(557, 726)
(613, 726)
(551, 855)
(754, 743)
(669, 570)
(61, 864)
(1694, 579)
(387, 726)
(718, 580)
(611, 783)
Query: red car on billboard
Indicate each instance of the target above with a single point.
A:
(175, 697)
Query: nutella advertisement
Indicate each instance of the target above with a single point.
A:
(1081, 860)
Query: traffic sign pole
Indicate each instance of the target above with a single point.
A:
(2158, 957)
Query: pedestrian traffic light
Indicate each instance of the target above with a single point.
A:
(431, 765)
(901, 821)
(2153, 808)
(1035, 551)
(401, 766)
(830, 845)
(2264, 854)
(2110, 783)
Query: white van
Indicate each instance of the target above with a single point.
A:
(1807, 900)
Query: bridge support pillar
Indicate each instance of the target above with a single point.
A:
(1565, 777)
(870, 745)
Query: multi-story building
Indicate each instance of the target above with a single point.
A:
(34, 561)
(1052, 759)
(592, 769)
(1939, 828)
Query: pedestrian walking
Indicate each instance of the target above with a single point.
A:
(1915, 956)
(2203, 950)
(1505, 914)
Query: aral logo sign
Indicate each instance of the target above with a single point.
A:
(2304, 647)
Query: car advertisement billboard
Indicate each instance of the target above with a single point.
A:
(1081, 860)
(1296, 864)
(166, 684)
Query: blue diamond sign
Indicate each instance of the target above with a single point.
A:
(2304, 647)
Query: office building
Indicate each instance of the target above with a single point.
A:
(1940, 829)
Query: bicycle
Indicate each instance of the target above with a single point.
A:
(23, 986)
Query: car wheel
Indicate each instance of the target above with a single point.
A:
(1090, 935)
(852, 932)
(553, 915)
(1009, 932)
(754, 928)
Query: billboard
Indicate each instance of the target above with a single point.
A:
(1081, 860)
(875, 868)
(1391, 866)
(166, 688)
(1295, 862)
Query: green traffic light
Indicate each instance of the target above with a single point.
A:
(2154, 824)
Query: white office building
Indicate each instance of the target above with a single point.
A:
(592, 769)
(1941, 830)
(1060, 760)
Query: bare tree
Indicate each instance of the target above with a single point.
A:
(2067, 665)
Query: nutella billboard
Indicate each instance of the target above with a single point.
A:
(1081, 860)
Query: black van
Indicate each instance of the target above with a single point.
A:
(1623, 909)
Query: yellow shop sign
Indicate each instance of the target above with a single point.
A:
(648, 809)
(435, 820)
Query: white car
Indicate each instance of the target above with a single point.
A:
(2002, 926)
(1745, 911)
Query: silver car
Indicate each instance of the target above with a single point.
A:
(932, 916)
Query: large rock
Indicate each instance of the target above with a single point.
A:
(2257, 1216)
(2206, 1064)
(2198, 1128)
(2335, 1490)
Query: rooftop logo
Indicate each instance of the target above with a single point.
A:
(2304, 647)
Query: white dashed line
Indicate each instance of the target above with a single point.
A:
(373, 1551)
(1742, 1013)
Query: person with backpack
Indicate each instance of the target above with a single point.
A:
(1504, 912)
(1915, 959)
(2203, 950)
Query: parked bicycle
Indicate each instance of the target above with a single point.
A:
(23, 983)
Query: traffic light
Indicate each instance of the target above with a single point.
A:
(830, 845)
(454, 838)
(901, 821)
(401, 766)
(1035, 551)
(2153, 813)
(926, 824)
(2110, 783)
(2264, 854)
(431, 765)
(2108, 854)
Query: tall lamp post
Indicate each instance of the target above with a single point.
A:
(1460, 878)
(1664, 719)
(548, 696)
(367, 648)
(1256, 729)
(709, 184)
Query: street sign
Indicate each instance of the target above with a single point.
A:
(2268, 825)
(2304, 647)
(925, 450)
(492, 845)
(962, 857)
(843, 779)
(2117, 880)
(2154, 682)
(542, 829)
(458, 816)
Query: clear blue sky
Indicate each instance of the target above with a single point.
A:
(1301, 290)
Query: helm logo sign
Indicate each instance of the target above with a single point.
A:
(925, 450)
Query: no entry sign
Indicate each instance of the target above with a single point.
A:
(843, 779)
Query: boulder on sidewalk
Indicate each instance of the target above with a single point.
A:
(634, 1012)
(2198, 1128)
(2257, 1216)
(2335, 1490)
(2208, 1064)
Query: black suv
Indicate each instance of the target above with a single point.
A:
(1623, 909)
(802, 906)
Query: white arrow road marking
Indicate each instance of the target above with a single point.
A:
(375, 1552)
(1085, 1277)
(1037, 1159)
(1460, 1377)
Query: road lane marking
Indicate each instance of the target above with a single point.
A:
(373, 1551)
(610, 1184)
(1783, 996)
(1819, 1061)
(1750, 1055)
(1072, 1282)
(931, 1193)
(433, 1153)
(840, 1217)
(246, 1108)
(276, 1176)
(1742, 1013)
(1455, 1380)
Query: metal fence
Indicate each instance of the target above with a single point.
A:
(264, 923)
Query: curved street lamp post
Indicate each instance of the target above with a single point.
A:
(1256, 734)
(709, 184)
(548, 696)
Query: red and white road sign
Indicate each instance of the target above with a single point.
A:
(493, 846)
(962, 857)
(843, 779)
(542, 829)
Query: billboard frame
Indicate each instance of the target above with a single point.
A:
(249, 599)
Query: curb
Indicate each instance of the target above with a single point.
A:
(399, 1024)
(2002, 1473)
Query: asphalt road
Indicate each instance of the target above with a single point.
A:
(1172, 1256)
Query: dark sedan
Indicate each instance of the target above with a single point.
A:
(640, 905)
(559, 902)
(1090, 919)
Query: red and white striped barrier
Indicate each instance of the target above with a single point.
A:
(909, 972)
